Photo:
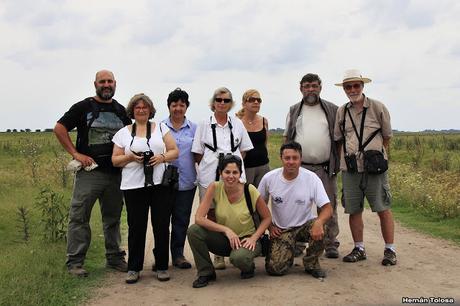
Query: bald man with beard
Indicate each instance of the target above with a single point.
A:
(96, 119)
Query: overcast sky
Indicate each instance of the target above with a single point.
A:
(50, 51)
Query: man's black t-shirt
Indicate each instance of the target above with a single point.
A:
(96, 124)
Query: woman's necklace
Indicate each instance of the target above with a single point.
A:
(251, 122)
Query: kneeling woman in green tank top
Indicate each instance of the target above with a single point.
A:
(234, 233)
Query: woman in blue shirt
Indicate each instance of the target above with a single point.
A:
(183, 131)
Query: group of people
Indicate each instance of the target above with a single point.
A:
(124, 155)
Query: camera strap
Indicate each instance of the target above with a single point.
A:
(148, 133)
(361, 128)
(214, 137)
(361, 132)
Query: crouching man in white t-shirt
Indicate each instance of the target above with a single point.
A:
(295, 194)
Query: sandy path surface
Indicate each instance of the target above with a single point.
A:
(427, 267)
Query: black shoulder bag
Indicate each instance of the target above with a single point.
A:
(171, 175)
(264, 239)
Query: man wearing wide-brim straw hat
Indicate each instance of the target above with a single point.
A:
(363, 131)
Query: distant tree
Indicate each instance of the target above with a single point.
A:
(14, 130)
(38, 130)
(48, 130)
(8, 130)
(28, 130)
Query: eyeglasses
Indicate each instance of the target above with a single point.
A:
(350, 86)
(254, 99)
(312, 86)
(220, 100)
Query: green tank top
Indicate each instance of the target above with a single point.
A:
(236, 215)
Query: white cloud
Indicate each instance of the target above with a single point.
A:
(51, 49)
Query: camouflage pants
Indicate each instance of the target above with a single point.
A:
(281, 253)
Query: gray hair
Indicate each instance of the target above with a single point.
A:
(219, 91)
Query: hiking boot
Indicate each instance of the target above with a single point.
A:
(389, 257)
(163, 275)
(356, 255)
(120, 265)
(316, 272)
(181, 263)
(203, 281)
(132, 277)
(247, 274)
(78, 271)
(219, 262)
(331, 252)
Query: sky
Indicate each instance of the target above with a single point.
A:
(51, 49)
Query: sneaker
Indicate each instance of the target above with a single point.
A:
(120, 265)
(316, 272)
(356, 255)
(163, 275)
(247, 274)
(219, 262)
(78, 271)
(331, 252)
(389, 257)
(203, 281)
(132, 277)
(181, 263)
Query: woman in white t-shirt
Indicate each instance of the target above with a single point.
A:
(216, 136)
(234, 232)
(142, 149)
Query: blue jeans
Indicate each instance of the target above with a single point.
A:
(180, 220)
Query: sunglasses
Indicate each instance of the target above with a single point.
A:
(220, 100)
(350, 86)
(253, 100)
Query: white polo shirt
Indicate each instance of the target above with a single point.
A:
(294, 202)
(208, 165)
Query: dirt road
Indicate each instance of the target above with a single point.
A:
(427, 267)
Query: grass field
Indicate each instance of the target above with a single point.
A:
(33, 271)
(424, 176)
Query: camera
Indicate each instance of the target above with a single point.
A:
(148, 170)
(350, 161)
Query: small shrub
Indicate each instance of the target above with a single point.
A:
(23, 220)
(54, 215)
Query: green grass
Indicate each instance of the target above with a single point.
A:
(448, 229)
(34, 272)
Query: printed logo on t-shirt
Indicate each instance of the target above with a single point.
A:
(103, 128)
(300, 202)
(277, 200)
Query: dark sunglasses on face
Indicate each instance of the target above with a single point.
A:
(253, 100)
(350, 86)
(220, 100)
